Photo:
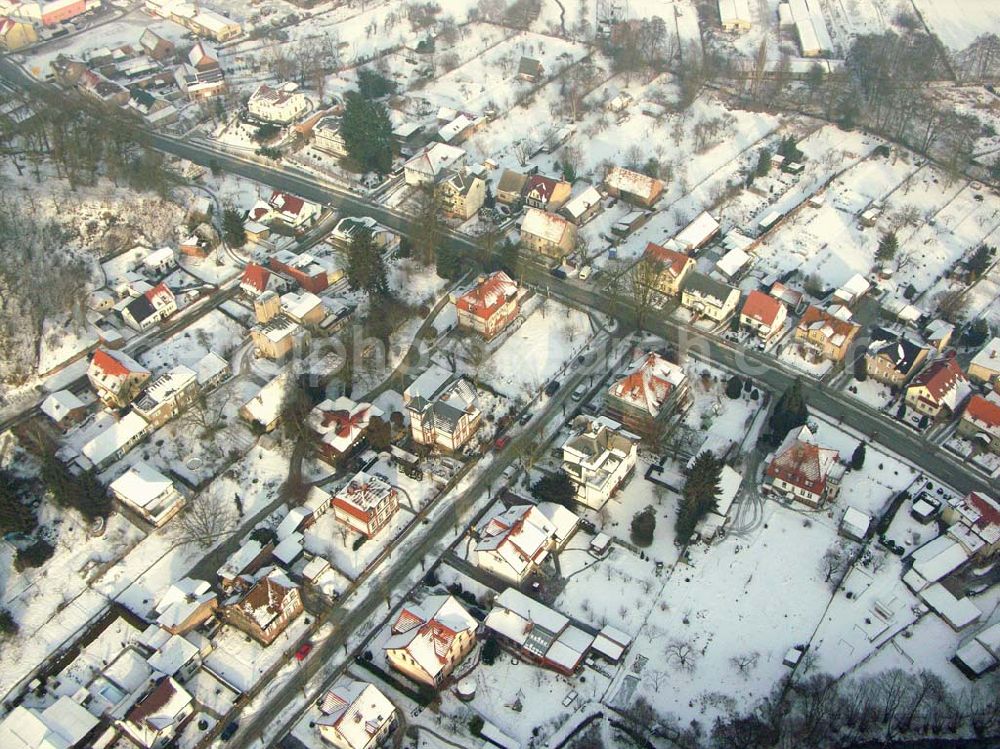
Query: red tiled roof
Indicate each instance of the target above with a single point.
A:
(983, 410)
(672, 260)
(940, 377)
(814, 314)
(282, 201)
(761, 307)
(160, 290)
(989, 511)
(344, 421)
(488, 296)
(544, 186)
(108, 364)
(255, 276)
(152, 702)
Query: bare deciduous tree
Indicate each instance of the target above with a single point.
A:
(681, 654)
(206, 519)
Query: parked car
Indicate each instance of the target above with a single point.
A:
(559, 273)
(551, 388)
(585, 273)
(229, 731)
(579, 392)
(502, 442)
(301, 653)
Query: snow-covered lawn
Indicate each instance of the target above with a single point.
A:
(213, 332)
(796, 355)
(550, 336)
(870, 392)
(757, 595)
(242, 661)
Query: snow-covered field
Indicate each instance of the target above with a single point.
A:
(958, 22)
(550, 336)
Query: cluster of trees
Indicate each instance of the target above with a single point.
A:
(366, 269)
(83, 493)
(643, 526)
(555, 487)
(700, 492)
(367, 132)
(15, 515)
(232, 227)
(83, 142)
(790, 412)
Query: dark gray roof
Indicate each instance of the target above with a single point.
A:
(901, 351)
(140, 308)
(707, 286)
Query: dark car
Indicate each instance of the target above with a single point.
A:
(558, 273)
(229, 731)
(551, 388)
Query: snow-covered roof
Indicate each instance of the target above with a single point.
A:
(210, 366)
(240, 559)
(289, 548)
(173, 655)
(518, 536)
(958, 612)
(988, 357)
(611, 642)
(123, 432)
(428, 384)
(59, 726)
(854, 288)
(266, 405)
(582, 203)
(856, 522)
(365, 492)
(358, 710)
(158, 257)
(181, 600)
(488, 295)
(436, 158)
(141, 484)
(60, 404)
(569, 648)
(945, 383)
(513, 612)
(990, 639)
(563, 520)
(734, 11)
(938, 557)
(732, 262)
(160, 708)
(633, 183)
(802, 463)
(426, 631)
(291, 522)
(698, 232)
(648, 383)
(547, 226)
(976, 658)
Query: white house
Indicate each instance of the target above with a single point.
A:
(735, 15)
(356, 715)
(514, 543)
(708, 297)
(430, 639)
(599, 458)
(149, 308)
(116, 440)
(160, 260)
(148, 492)
(282, 105)
(433, 164)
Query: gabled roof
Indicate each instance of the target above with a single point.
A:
(945, 382)
(673, 261)
(285, 203)
(832, 328)
(519, 536)
(983, 413)
(988, 357)
(357, 710)
(255, 276)
(899, 350)
(648, 383)
(708, 288)
(633, 183)
(540, 187)
(264, 601)
(489, 294)
(511, 181)
(426, 631)
(803, 463)
(547, 226)
(435, 158)
(116, 364)
(761, 307)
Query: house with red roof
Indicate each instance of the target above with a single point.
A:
(804, 471)
(763, 314)
(940, 387)
(545, 193)
(116, 377)
(651, 390)
(980, 422)
(674, 267)
(490, 306)
(159, 715)
(149, 308)
(340, 424)
(366, 504)
(826, 336)
(356, 715)
(289, 210)
(978, 515)
(430, 639)
(254, 280)
(514, 543)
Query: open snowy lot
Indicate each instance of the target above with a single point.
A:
(548, 339)
(958, 22)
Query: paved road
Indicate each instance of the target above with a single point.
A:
(348, 618)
